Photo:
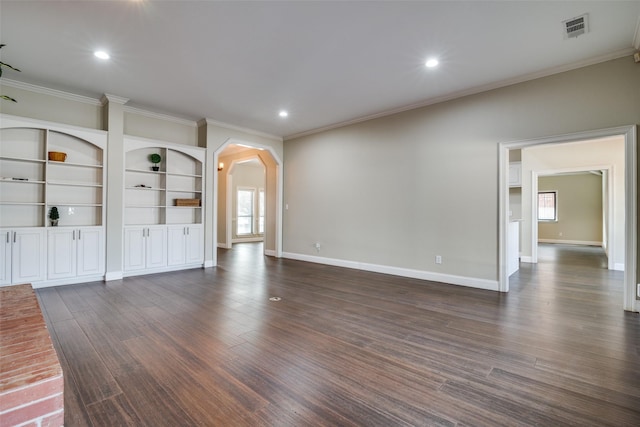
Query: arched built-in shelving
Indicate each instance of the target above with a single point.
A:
(31, 184)
(163, 208)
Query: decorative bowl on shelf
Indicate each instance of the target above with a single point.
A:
(57, 156)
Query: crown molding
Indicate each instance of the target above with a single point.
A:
(51, 92)
(100, 102)
(106, 98)
(472, 91)
(249, 131)
(636, 37)
(159, 116)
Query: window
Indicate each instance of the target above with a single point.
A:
(244, 225)
(250, 211)
(547, 206)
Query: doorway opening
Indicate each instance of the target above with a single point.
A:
(247, 197)
(621, 233)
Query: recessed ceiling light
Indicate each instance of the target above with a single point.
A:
(431, 63)
(283, 113)
(101, 54)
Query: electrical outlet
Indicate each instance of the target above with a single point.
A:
(438, 259)
(638, 290)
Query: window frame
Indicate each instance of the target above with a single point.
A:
(261, 208)
(555, 206)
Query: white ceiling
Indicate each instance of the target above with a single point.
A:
(325, 62)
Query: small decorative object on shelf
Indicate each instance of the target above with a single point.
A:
(54, 216)
(57, 156)
(188, 202)
(155, 158)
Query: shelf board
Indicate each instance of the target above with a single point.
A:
(77, 165)
(145, 188)
(145, 171)
(73, 184)
(189, 175)
(21, 159)
(185, 191)
(19, 181)
(74, 205)
(160, 207)
(21, 204)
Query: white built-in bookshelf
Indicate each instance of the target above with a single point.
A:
(31, 184)
(161, 233)
(150, 196)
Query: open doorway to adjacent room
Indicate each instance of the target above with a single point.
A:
(606, 157)
(248, 195)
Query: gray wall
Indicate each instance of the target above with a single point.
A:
(398, 190)
(579, 201)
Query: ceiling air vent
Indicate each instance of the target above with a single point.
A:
(575, 27)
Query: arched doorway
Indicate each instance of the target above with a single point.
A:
(227, 157)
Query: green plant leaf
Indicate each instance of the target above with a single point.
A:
(4, 64)
(155, 158)
(8, 98)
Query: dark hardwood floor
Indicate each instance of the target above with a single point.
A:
(348, 348)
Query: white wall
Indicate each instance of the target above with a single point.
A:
(398, 190)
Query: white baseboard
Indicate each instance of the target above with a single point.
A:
(113, 275)
(571, 242)
(526, 259)
(269, 252)
(471, 282)
(618, 266)
(208, 263)
(162, 270)
(248, 239)
(224, 246)
(69, 281)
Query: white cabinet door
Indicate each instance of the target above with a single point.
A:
(145, 247)
(61, 253)
(186, 245)
(194, 245)
(177, 236)
(156, 247)
(5, 257)
(28, 256)
(134, 248)
(90, 243)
